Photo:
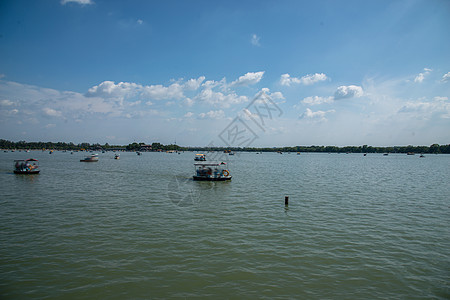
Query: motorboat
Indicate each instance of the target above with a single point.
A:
(90, 158)
(200, 157)
(211, 171)
(28, 166)
(117, 156)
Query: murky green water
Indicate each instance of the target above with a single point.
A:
(139, 227)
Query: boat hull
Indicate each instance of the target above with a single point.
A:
(88, 160)
(26, 172)
(202, 178)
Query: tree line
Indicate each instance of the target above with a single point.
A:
(435, 148)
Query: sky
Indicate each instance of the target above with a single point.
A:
(226, 73)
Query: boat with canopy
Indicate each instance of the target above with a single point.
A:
(27, 166)
(211, 171)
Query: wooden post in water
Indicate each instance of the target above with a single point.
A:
(286, 200)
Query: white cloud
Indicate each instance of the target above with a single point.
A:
(277, 95)
(213, 114)
(108, 89)
(51, 112)
(9, 112)
(420, 78)
(160, 92)
(126, 90)
(317, 115)
(188, 102)
(440, 98)
(188, 114)
(50, 126)
(82, 2)
(6, 102)
(255, 40)
(425, 110)
(309, 79)
(446, 77)
(248, 79)
(194, 84)
(140, 22)
(287, 80)
(210, 84)
(316, 100)
(219, 99)
(134, 103)
(351, 91)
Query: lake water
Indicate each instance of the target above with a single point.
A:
(138, 228)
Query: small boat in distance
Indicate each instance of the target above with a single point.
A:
(117, 156)
(211, 171)
(90, 158)
(28, 166)
(421, 155)
(200, 157)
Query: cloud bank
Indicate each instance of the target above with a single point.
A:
(287, 80)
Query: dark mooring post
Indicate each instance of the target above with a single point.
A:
(286, 200)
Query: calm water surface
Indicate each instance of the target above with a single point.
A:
(138, 228)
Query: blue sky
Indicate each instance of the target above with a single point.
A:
(335, 72)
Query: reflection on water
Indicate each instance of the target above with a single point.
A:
(356, 227)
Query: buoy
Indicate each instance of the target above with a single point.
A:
(286, 200)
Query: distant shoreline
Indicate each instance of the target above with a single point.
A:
(154, 147)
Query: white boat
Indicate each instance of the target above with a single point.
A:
(211, 171)
(90, 158)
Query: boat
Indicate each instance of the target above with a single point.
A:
(386, 154)
(90, 158)
(211, 171)
(138, 153)
(231, 153)
(117, 156)
(200, 157)
(421, 155)
(410, 153)
(28, 166)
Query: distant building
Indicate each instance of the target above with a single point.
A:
(146, 148)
